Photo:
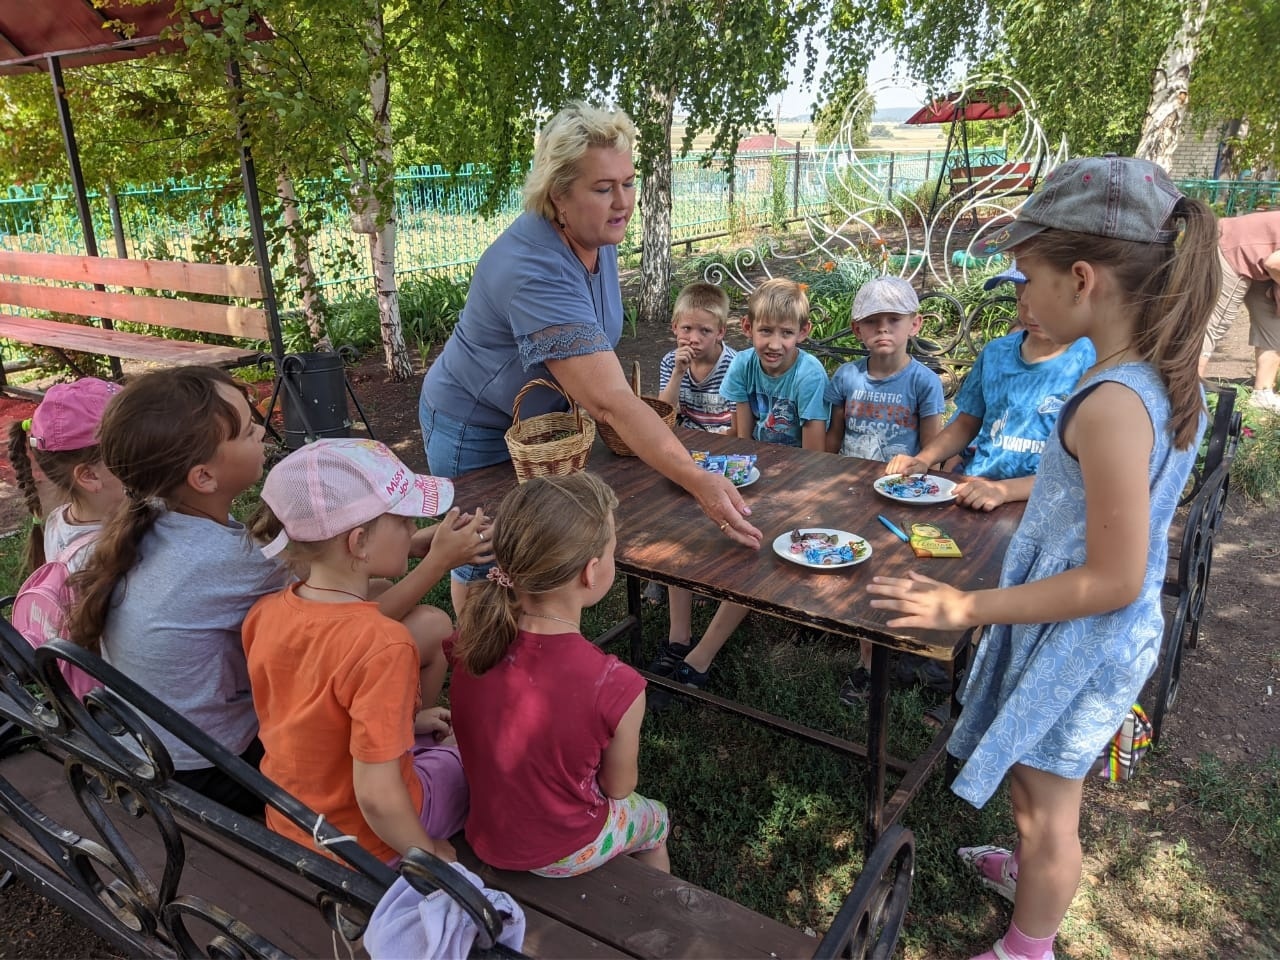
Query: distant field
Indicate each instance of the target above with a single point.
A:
(931, 137)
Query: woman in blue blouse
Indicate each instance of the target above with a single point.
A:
(545, 300)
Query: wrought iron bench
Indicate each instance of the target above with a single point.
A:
(76, 286)
(103, 832)
(1191, 543)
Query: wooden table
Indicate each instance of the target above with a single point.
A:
(663, 536)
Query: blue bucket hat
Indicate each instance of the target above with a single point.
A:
(1012, 275)
(1123, 198)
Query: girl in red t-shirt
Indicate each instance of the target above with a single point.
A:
(547, 723)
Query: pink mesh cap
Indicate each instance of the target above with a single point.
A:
(331, 486)
(69, 414)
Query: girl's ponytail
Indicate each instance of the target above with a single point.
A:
(487, 626)
(114, 555)
(1171, 334)
(33, 554)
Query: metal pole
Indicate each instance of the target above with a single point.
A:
(117, 225)
(257, 230)
(795, 185)
(77, 182)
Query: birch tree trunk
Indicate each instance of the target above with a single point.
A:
(376, 210)
(1167, 108)
(655, 209)
(313, 306)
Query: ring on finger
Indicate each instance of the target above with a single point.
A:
(724, 526)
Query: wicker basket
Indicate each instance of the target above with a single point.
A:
(550, 444)
(663, 409)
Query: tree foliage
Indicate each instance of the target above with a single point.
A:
(1237, 75)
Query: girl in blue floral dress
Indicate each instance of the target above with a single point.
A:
(1114, 253)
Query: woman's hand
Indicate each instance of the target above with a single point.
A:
(436, 722)
(721, 501)
(927, 603)
(463, 538)
(903, 465)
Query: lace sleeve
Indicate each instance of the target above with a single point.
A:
(561, 341)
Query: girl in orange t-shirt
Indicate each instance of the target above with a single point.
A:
(336, 681)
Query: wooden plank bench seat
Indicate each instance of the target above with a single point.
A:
(162, 871)
(32, 284)
(1003, 178)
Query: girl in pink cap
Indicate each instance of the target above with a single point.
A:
(62, 438)
(339, 685)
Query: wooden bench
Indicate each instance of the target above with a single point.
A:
(1003, 178)
(64, 285)
(161, 871)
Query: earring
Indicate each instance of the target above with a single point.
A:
(1076, 298)
(560, 219)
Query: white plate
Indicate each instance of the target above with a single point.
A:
(922, 489)
(782, 547)
(752, 477)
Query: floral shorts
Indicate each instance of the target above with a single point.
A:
(634, 825)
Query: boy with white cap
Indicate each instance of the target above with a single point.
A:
(884, 405)
(335, 680)
(887, 403)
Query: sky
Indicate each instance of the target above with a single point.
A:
(798, 98)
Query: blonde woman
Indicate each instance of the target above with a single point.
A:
(545, 301)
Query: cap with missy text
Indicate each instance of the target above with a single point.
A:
(1012, 275)
(68, 416)
(1122, 198)
(885, 295)
(333, 485)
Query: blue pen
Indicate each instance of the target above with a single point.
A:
(893, 528)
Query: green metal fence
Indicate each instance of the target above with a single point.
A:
(440, 228)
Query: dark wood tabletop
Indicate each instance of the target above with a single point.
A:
(662, 535)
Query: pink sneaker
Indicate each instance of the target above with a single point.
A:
(998, 952)
(992, 865)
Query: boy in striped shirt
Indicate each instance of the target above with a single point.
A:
(690, 375)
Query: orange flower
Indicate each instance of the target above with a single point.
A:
(829, 266)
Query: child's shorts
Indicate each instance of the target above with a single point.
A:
(445, 796)
(634, 825)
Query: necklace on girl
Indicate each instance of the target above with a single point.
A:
(547, 616)
(345, 593)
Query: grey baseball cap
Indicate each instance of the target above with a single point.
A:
(1110, 196)
(885, 295)
(1012, 275)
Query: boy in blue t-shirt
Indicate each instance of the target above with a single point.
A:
(777, 390)
(1005, 410)
(887, 403)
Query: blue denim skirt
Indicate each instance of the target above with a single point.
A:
(454, 448)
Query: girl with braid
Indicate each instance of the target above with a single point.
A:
(62, 438)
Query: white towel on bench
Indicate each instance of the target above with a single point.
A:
(407, 924)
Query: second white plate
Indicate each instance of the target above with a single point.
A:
(924, 489)
(861, 549)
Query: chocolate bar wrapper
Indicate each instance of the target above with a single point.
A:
(930, 540)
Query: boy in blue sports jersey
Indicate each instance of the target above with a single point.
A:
(1005, 410)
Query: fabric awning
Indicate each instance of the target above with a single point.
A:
(971, 105)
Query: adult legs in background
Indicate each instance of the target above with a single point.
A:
(1230, 298)
(1264, 337)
